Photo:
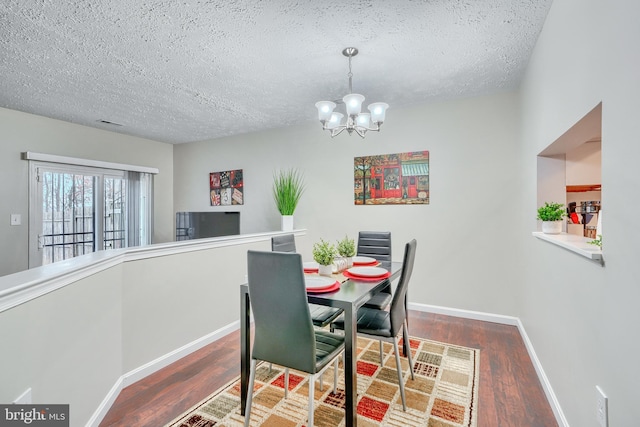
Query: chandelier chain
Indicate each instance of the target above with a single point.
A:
(350, 75)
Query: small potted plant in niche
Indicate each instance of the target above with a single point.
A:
(288, 186)
(324, 253)
(347, 249)
(551, 215)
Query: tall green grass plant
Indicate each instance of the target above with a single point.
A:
(288, 186)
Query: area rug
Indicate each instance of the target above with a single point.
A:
(444, 392)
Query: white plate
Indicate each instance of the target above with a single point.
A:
(368, 271)
(310, 265)
(363, 259)
(315, 282)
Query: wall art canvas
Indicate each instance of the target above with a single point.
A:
(391, 179)
(226, 188)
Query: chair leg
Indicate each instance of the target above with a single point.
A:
(381, 356)
(321, 383)
(286, 382)
(335, 375)
(252, 377)
(406, 332)
(312, 383)
(399, 368)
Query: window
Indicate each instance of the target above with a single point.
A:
(75, 210)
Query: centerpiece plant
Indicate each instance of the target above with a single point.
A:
(347, 249)
(288, 186)
(324, 253)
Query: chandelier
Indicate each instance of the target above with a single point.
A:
(356, 120)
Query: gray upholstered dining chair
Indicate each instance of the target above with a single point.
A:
(387, 325)
(376, 244)
(283, 243)
(284, 334)
(320, 315)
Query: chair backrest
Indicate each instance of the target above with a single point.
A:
(284, 332)
(375, 244)
(397, 312)
(283, 243)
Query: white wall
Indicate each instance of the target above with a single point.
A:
(582, 317)
(66, 345)
(474, 188)
(584, 164)
(26, 132)
(112, 318)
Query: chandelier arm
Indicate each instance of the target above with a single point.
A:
(337, 131)
(360, 130)
(366, 128)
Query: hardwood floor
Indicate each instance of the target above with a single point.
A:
(509, 391)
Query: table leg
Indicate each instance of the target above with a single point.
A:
(245, 335)
(350, 370)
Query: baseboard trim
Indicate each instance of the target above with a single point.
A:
(466, 314)
(505, 320)
(154, 366)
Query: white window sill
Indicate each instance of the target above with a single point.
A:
(572, 242)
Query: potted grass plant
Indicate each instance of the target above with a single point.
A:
(551, 215)
(347, 249)
(288, 186)
(324, 253)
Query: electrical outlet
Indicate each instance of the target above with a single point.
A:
(16, 219)
(24, 398)
(602, 407)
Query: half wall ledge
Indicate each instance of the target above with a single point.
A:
(574, 243)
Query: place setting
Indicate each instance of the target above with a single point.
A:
(364, 261)
(310, 266)
(321, 284)
(366, 273)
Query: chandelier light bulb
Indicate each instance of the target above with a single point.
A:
(353, 103)
(378, 111)
(335, 120)
(363, 119)
(325, 108)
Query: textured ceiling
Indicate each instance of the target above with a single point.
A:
(195, 70)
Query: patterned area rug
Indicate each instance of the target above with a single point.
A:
(443, 394)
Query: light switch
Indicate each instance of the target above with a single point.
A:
(16, 219)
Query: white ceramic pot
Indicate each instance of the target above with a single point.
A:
(552, 227)
(325, 270)
(286, 223)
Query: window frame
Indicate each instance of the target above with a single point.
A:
(39, 161)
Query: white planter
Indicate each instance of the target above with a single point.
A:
(325, 270)
(552, 227)
(286, 222)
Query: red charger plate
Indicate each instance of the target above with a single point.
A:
(366, 278)
(333, 287)
(366, 264)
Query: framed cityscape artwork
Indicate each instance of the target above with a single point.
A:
(401, 178)
(226, 188)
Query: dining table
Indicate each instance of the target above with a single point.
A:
(351, 295)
